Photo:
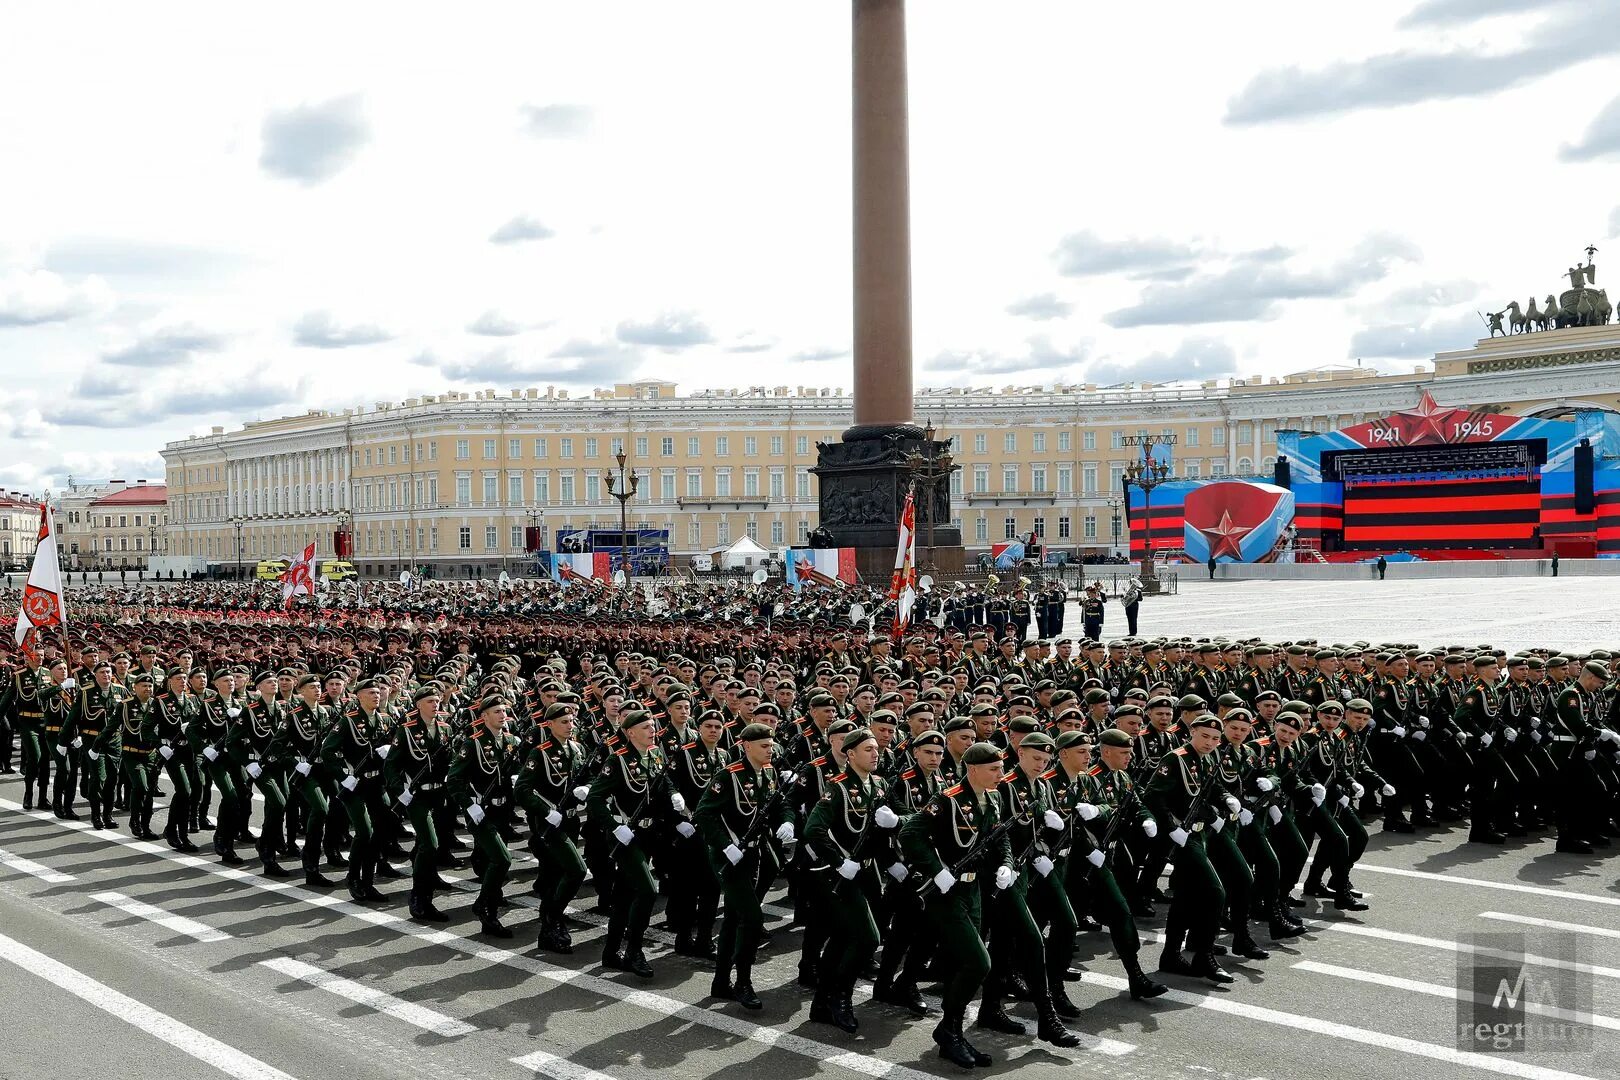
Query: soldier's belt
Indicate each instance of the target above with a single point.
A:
(1562, 738)
(971, 875)
(495, 802)
(253, 755)
(370, 774)
(644, 823)
(87, 731)
(433, 785)
(1197, 826)
(58, 727)
(29, 714)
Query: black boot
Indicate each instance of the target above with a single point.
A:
(553, 938)
(1243, 945)
(314, 879)
(743, 991)
(1204, 966)
(1345, 900)
(489, 923)
(821, 1009)
(1060, 996)
(980, 1058)
(612, 958)
(992, 1015)
(952, 1047)
(1050, 1027)
(272, 868)
(1142, 987)
(635, 962)
(1281, 929)
(904, 994)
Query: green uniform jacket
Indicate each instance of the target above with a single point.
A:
(945, 830)
(731, 805)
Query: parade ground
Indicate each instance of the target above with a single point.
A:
(126, 959)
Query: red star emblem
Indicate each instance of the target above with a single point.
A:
(1225, 537)
(1424, 424)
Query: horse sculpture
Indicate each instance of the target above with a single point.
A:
(1518, 321)
(1549, 315)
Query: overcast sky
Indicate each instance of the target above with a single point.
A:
(209, 216)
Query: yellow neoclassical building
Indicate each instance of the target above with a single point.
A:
(451, 481)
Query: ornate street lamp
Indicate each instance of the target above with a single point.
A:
(624, 492)
(1148, 474)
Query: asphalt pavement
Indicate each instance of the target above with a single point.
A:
(120, 958)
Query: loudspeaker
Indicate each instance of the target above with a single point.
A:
(1282, 474)
(1585, 502)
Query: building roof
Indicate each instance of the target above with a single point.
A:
(139, 495)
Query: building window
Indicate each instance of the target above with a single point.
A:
(1268, 431)
(722, 484)
(981, 529)
(956, 481)
(666, 487)
(491, 490)
(722, 531)
(1089, 479)
(1063, 527)
(517, 537)
(1010, 529)
(979, 444)
(565, 447)
(776, 446)
(1116, 477)
(751, 529)
(1009, 442)
(1117, 439)
(514, 489)
(804, 531)
(778, 485)
(1088, 440)
(1037, 478)
(462, 450)
(566, 490)
(666, 446)
(1217, 435)
(593, 489)
(1192, 467)
(489, 449)
(801, 483)
(751, 483)
(540, 448)
(1217, 468)
(692, 449)
(492, 538)
(1244, 466)
(1064, 441)
(1039, 528)
(1091, 526)
(433, 451)
(694, 485)
(7, 525)
(465, 535)
(590, 447)
(981, 479)
(1039, 442)
(122, 521)
(722, 446)
(463, 491)
(1192, 437)
(1245, 433)
(801, 444)
(514, 448)
(542, 489)
(694, 533)
(1009, 478)
(1065, 479)
(750, 446)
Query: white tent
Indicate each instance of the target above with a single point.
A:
(745, 554)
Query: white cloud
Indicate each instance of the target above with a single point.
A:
(34, 297)
(313, 143)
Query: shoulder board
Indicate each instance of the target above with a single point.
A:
(621, 751)
(1263, 741)
(478, 732)
(548, 744)
(840, 778)
(822, 760)
(411, 722)
(1341, 733)
(1049, 774)
(1180, 751)
(736, 766)
(909, 774)
(1095, 770)
(953, 791)
(1009, 778)
(690, 745)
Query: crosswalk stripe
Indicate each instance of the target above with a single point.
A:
(183, 1037)
(1415, 986)
(29, 866)
(178, 923)
(1552, 924)
(1482, 883)
(371, 997)
(1399, 938)
(558, 1068)
(1293, 1021)
(799, 1045)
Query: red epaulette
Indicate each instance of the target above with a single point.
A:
(818, 762)
(1008, 778)
(1264, 741)
(953, 791)
(736, 766)
(909, 774)
(689, 746)
(411, 722)
(621, 751)
(547, 745)
(1180, 751)
(478, 732)
(1340, 733)
(839, 778)
(1049, 774)
(1095, 770)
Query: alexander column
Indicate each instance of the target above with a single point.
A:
(864, 477)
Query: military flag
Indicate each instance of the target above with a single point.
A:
(903, 586)
(42, 597)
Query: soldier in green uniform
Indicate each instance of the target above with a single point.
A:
(694, 892)
(955, 838)
(23, 702)
(175, 712)
(416, 772)
(264, 768)
(95, 730)
(552, 790)
(904, 942)
(138, 734)
(1235, 766)
(353, 755)
(1576, 735)
(1182, 797)
(627, 800)
(480, 784)
(740, 808)
(1271, 842)
(302, 732)
(1328, 769)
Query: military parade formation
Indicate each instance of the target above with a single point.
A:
(951, 807)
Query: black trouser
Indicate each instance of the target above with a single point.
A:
(743, 921)
(1394, 761)
(694, 891)
(908, 939)
(179, 768)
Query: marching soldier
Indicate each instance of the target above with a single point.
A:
(553, 789)
(628, 800)
(138, 735)
(304, 720)
(1181, 797)
(353, 754)
(416, 772)
(480, 786)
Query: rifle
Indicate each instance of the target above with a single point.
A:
(1200, 803)
(1115, 823)
(986, 839)
(762, 817)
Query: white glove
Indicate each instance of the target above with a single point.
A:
(1275, 814)
(233, 712)
(788, 778)
(553, 818)
(885, 818)
(474, 812)
(1053, 820)
(1232, 805)
(1589, 755)
(254, 770)
(677, 802)
(1344, 693)
(1318, 793)
(1178, 836)
(69, 683)
(1462, 737)
(944, 880)
(1611, 735)
(77, 742)
(1096, 857)
(1004, 877)
(94, 756)
(1510, 734)
(1150, 827)
(1387, 790)
(1344, 800)
(1485, 740)
(848, 869)
(1218, 824)
(302, 768)
(1263, 785)
(1043, 865)
(165, 752)
(624, 835)
(1245, 816)
(581, 793)
(406, 797)
(211, 754)
(784, 832)
(1423, 721)
(1086, 811)
(899, 872)
(352, 782)
(60, 749)
(1397, 730)
(1535, 737)
(733, 854)
(1535, 722)
(1420, 735)
(685, 829)
(1357, 788)
(382, 751)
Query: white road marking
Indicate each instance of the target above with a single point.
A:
(29, 866)
(862, 1064)
(1414, 986)
(1552, 924)
(178, 923)
(557, 1068)
(1293, 1021)
(1481, 883)
(371, 997)
(188, 1040)
(1399, 938)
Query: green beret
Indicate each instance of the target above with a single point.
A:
(557, 710)
(1127, 710)
(142, 679)
(855, 738)
(821, 700)
(841, 725)
(1239, 714)
(1114, 737)
(1330, 706)
(981, 754)
(1291, 719)
(883, 716)
(1596, 667)
(959, 723)
(1534, 663)
(1037, 741)
(1096, 696)
(427, 691)
(1024, 724)
(918, 707)
(1191, 701)
(1267, 695)
(634, 718)
(1070, 738)
(1161, 702)
(756, 733)
(1229, 700)
(1357, 704)
(1324, 654)
(364, 684)
(984, 710)
(928, 738)
(492, 701)
(1204, 720)
(768, 709)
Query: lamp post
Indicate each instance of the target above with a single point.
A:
(237, 523)
(927, 469)
(624, 492)
(1148, 474)
(151, 549)
(1116, 504)
(343, 518)
(533, 553)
